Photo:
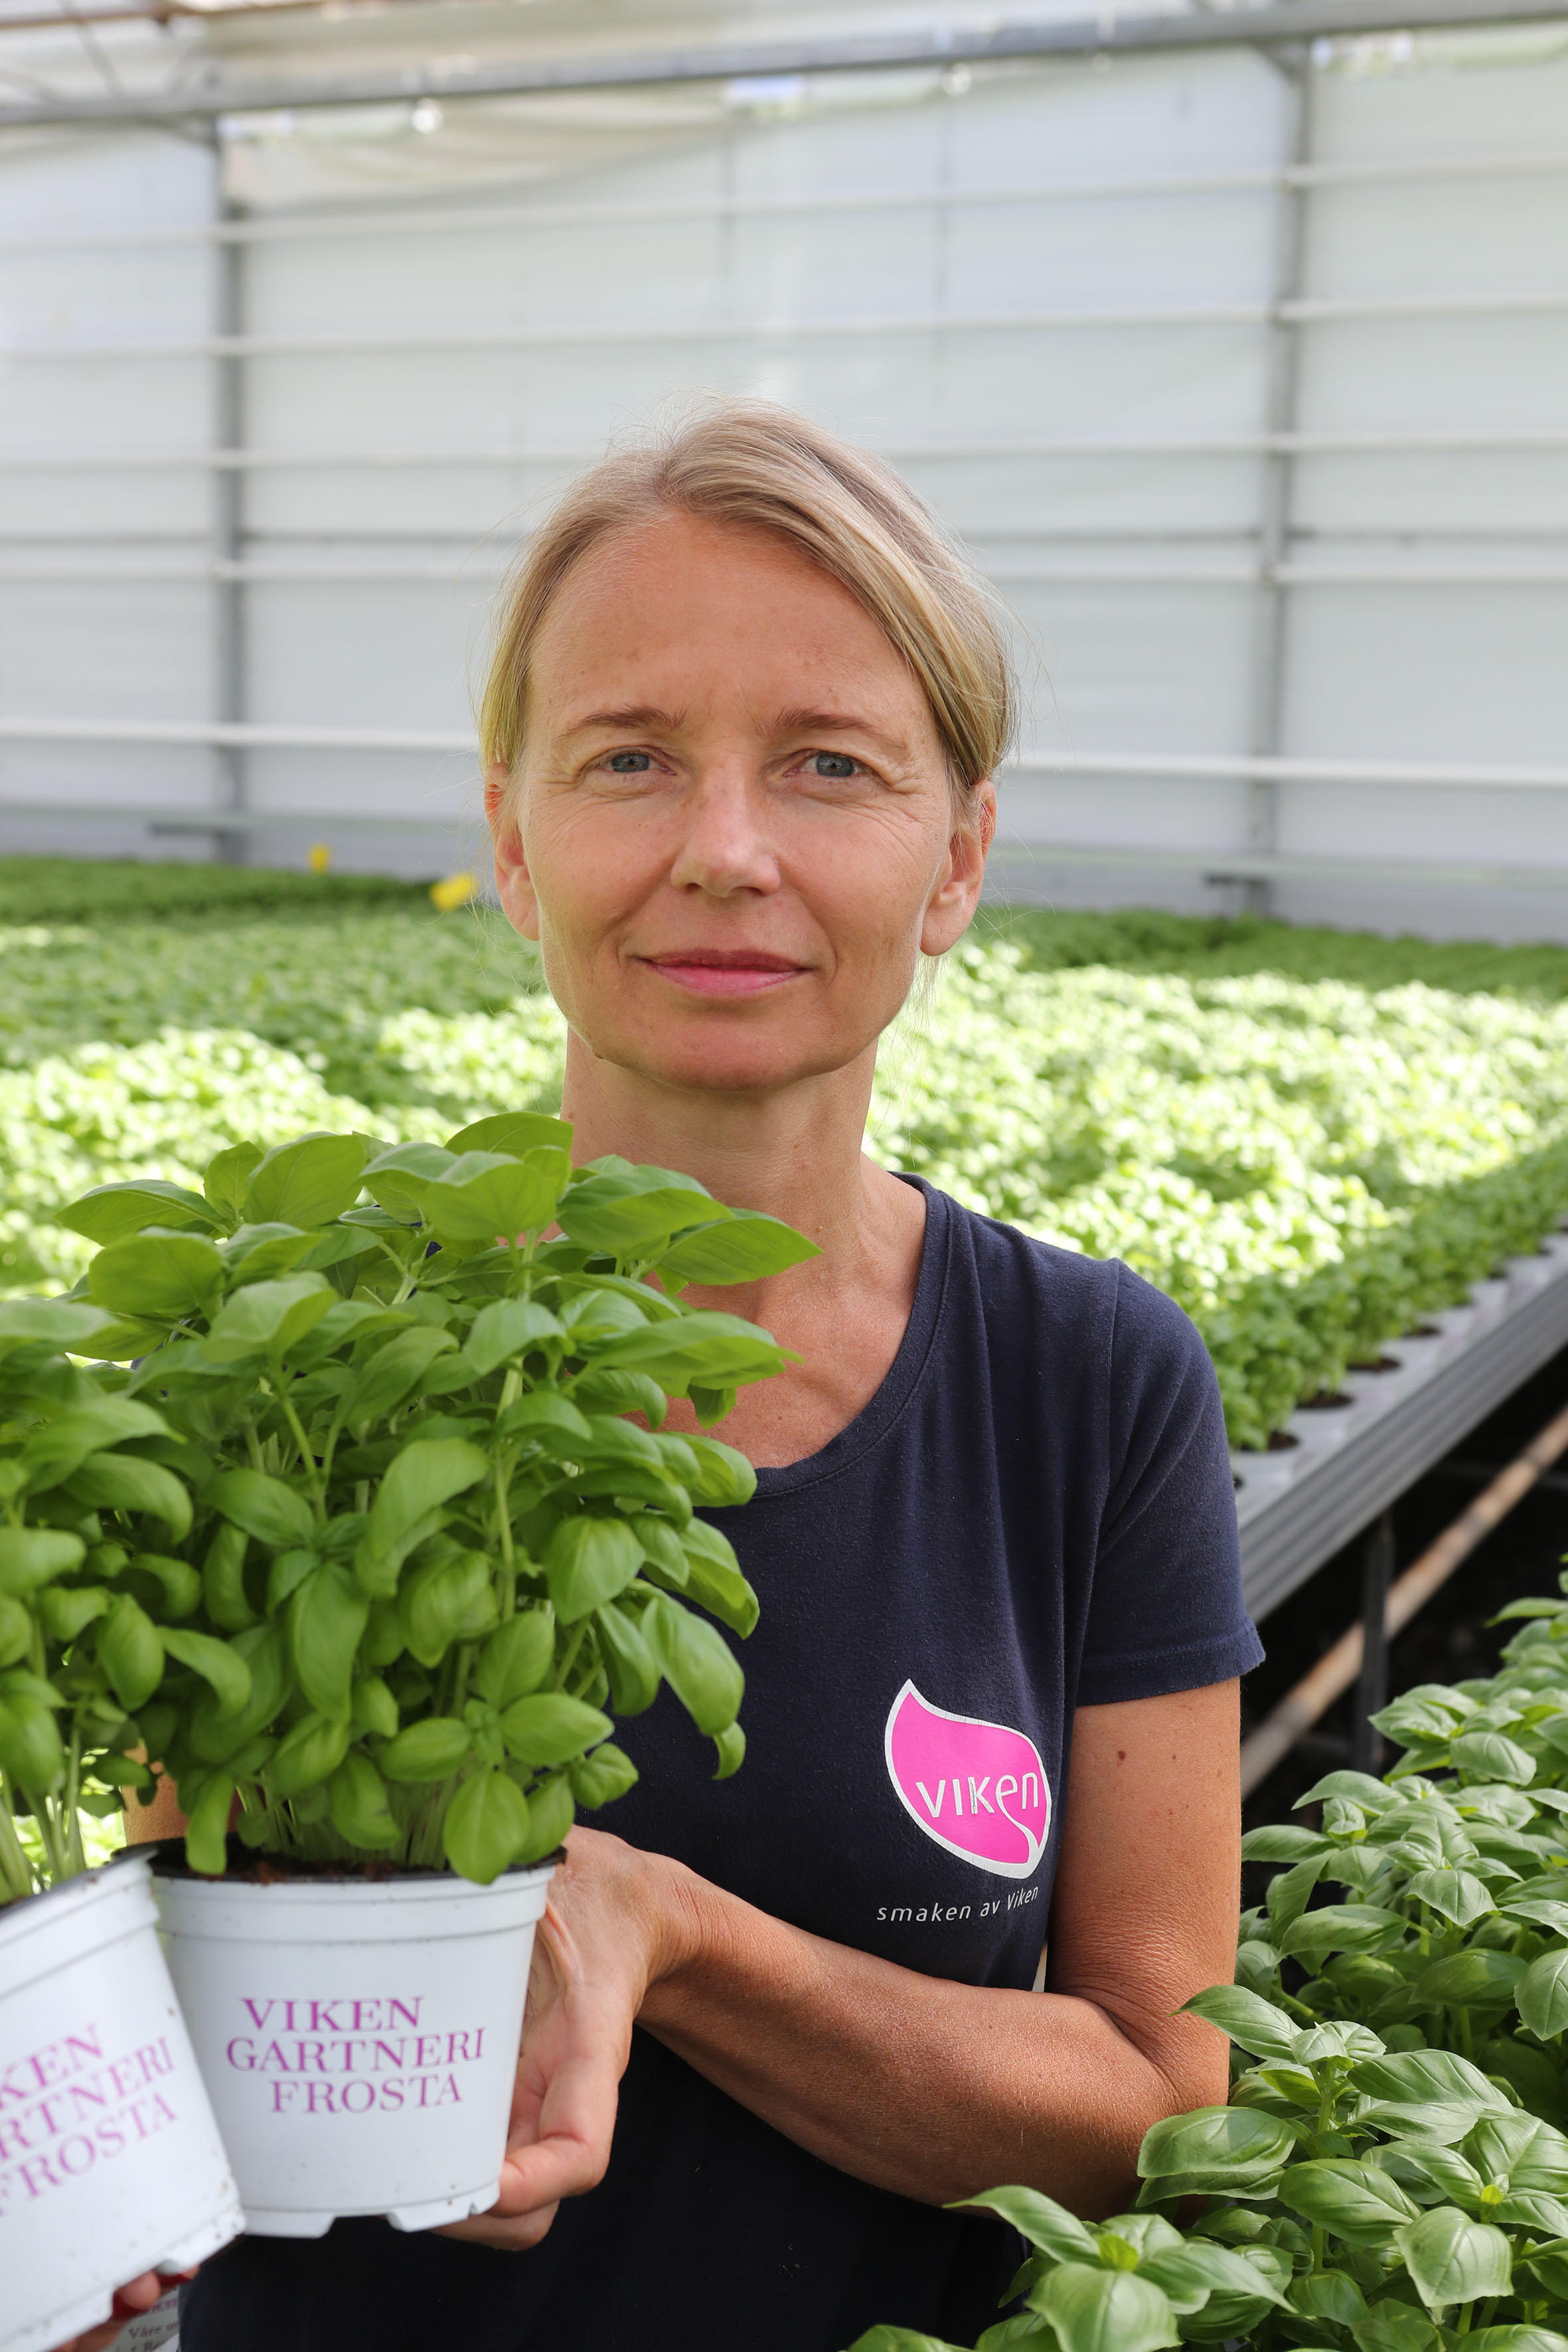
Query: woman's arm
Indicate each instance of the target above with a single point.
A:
(918, 2084)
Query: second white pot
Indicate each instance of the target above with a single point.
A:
(358, 2037)
(110, 2160)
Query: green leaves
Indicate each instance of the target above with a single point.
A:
(131, 1653)
(1355, 2201)
(111, 1212)
(165, 1277)
(1542, 1994)
(1254, 2023)
(373, 1529)
(267, 1318)
(631, 1213)
(587, 1561)
(483, 1196)
(1040, 2220)
(746, 1247)
(1455, 1895)
(219, 1665)
(1105, 2311)
(306, 1182)
(122, 1482)
(448, 1598)
(552, 1729)
(31, 1752)
(517, 1657)
(1227, 2151)
(428, 1751)
(328, 1613)
(487, 1826)
(277, 1514)
(421, 1478)
(32, 1557)
(357, 1801)
(1454, 2258)
(713, 1351)
(697, 1663)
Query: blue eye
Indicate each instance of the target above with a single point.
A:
(629, 763)
(835, 764)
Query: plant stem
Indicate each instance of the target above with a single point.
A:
(72, 1816)
(572, 1646)
(307, 1462)
(16, 1870)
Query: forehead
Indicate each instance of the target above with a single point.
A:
(696, 614)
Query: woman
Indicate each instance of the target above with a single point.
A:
(742, 729)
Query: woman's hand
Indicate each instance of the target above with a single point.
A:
(130, 2302)
(617, 1921)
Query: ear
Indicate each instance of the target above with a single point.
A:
(514, 885)
(950, 910)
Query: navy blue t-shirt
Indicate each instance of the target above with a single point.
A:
(1033, 1513)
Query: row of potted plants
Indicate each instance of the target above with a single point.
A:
(1391, 2173)
(322, 1502)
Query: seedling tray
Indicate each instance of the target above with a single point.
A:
(1297, 1507)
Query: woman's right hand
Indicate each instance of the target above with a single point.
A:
(130, 2302)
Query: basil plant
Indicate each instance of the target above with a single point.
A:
(400, 1554)
(1391, 2166)
(88, 1516)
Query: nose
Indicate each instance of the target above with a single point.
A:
(725, 849)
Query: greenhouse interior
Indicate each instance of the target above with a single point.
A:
(1203, 368)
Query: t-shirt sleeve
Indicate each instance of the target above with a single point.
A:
(1165, 1608)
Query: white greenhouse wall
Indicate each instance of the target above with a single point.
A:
(936, 266)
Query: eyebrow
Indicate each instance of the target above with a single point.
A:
(632, 716)
(836, 723)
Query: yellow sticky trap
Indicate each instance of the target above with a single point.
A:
(455, 891)
(320, 858)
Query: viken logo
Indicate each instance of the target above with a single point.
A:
(978, 1789)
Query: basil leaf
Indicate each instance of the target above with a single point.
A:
(697, 1662)
(264, 1508)
(517, 1657)
(487, 1823)
(306, 1182)
(552, 1729)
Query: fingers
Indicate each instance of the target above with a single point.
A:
(514, 2236)
(137, 2295)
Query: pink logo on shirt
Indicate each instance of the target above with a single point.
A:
(978, 1789)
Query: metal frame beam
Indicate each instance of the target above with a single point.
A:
(399, 217)
(1105, 35)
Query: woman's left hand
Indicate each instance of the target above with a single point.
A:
(138, 2295)
(611, 1929)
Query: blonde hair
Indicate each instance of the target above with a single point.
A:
(752, 463)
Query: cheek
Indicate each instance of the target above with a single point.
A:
(588, 864)
(870, 876)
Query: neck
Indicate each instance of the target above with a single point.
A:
(795, 1154)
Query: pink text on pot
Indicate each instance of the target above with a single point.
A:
(343, 2056)
(65, 2109)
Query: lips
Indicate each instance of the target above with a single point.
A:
(724, 971)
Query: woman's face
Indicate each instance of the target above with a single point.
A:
(732, 832)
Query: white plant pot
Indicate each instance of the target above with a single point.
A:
(359, 2037)
(110, 2162)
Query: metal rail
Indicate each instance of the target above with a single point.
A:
(397, 570)
(458, 219)
(1309, 310)
(1251, 445)
(1237, 767)
(1104, 35)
